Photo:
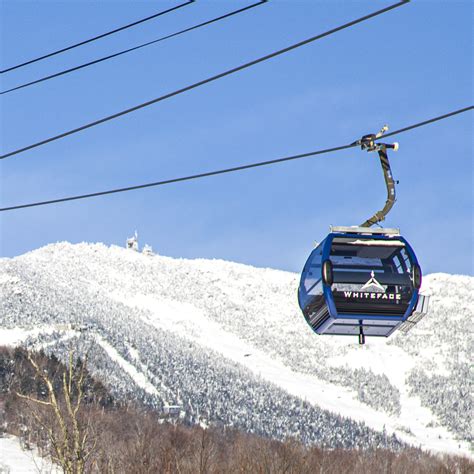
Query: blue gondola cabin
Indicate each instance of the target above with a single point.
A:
(361, 282)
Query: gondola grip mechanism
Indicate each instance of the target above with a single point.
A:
(367, 142)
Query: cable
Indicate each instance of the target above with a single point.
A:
(135, 48)
(224, 171)
(177, 180)
(205, 81)
(95, 38)
(426, 122)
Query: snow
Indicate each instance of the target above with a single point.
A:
(247, 316)
(414, 418)
(190, 322)
(377, 243)
(139, 378)
(15, 336)
(15, 460)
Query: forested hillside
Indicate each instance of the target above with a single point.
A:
(226, 344)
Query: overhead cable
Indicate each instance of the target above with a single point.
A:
(135, 48)
(201, 83)
(177, 180)
(226, 170)
(95, 38)
(427, 122)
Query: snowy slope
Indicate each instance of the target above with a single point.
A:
(180, 331)
(16, 460)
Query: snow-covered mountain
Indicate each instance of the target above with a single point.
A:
(226, 342)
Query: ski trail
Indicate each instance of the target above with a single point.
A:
(191, 323)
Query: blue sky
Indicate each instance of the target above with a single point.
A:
(407, 65)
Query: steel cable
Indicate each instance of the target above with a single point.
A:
(226, 170)
(205, 81)
(135, 48)
(95, 38)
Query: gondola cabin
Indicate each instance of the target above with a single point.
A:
(362, 282)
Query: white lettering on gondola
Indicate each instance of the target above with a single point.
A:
(372, 296)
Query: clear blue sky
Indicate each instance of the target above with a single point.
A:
(407, 65)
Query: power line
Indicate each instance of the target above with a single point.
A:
(95, 38)
(226, 170)
(205, 81)
(135, 48)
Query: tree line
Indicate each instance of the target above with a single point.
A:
(72, 419)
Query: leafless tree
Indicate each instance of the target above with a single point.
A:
(60, 416)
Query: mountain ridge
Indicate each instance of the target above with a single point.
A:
(249, 318)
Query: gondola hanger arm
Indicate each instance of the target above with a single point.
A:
(368, 143)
